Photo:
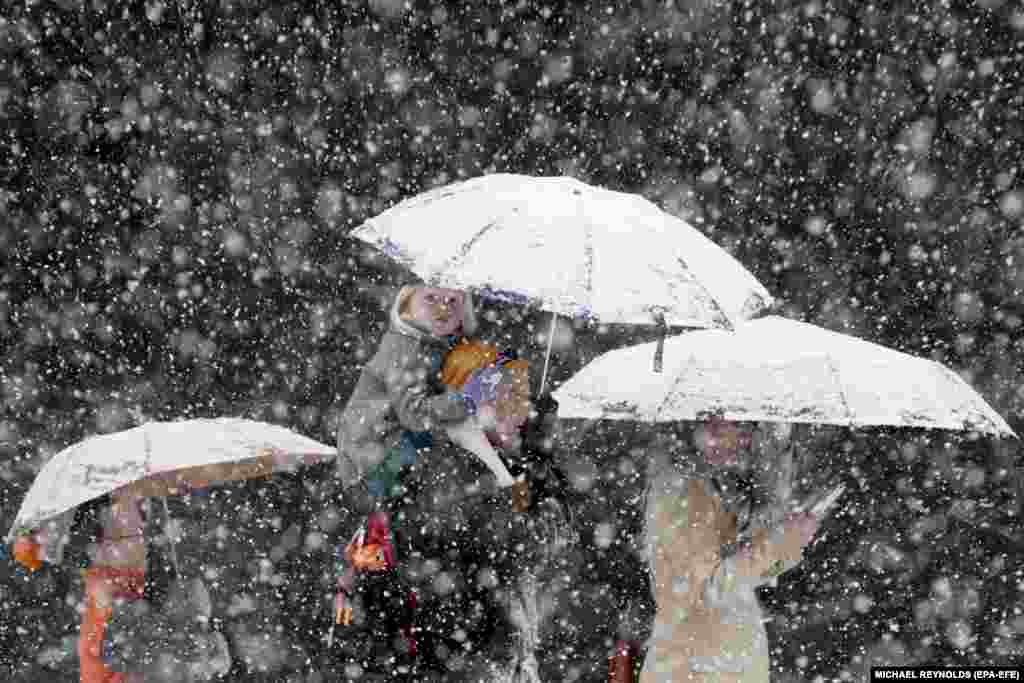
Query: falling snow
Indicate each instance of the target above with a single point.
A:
(177, 185)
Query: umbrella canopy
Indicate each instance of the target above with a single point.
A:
(570, 248)
(160, 459)
(777, 370)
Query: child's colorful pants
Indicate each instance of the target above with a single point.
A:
(382, 480)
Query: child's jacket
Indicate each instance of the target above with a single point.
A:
(397, 391)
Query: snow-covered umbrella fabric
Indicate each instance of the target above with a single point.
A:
(159, 459)
(569, 248)
(777, 370)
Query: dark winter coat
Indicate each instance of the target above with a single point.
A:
(251, 570)
(467, 552)
(170, 640)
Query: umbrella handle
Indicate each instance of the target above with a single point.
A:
(659, 352)
(547, 354)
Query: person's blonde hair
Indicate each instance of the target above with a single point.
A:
(470, 355)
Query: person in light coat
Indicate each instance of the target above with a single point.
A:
(711, 544)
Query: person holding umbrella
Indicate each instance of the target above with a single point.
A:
(127, 632)
(117, 572)
(144, 616)
(457, 520)
(767, 370)
(712, 540)
(373, 594)
(388, 420)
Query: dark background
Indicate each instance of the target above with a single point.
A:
(178, 179)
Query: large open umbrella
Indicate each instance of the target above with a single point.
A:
(777, 370)
(158, 459)
(766, 370)
(569, 248)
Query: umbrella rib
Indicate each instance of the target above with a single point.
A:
(671, 391)
(54, 490)
(416, 202)
(955, 379)
(54, 494)
(985, 409)
(467, 246)
(428, 198)
(588, 249)
(718, 307)
(834, 371)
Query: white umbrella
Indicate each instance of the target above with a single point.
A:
(570, 248)
(777, 370)
(159, 459)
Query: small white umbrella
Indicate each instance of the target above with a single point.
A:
(777, 370)
(569, 248)
(159, 459)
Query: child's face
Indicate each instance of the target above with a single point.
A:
(437, 309)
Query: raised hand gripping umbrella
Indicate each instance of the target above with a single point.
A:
(778, 370)
(157, 459)
(569, 248)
